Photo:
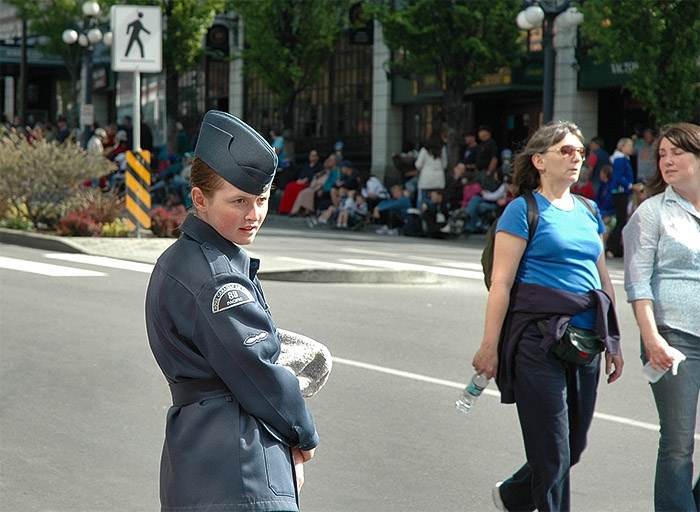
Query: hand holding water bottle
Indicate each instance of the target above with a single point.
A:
(653, 375)
(471, 392)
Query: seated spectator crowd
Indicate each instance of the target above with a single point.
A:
(338, 195)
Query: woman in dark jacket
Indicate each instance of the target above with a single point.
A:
(556, 278)
(238, 431)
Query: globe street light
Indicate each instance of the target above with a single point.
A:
(542, 13)
(89, 35)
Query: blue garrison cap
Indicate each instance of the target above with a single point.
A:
(236, 152)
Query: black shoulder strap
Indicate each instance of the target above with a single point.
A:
(586, 202)
(533, 213)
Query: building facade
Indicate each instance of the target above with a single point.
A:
(372, 112)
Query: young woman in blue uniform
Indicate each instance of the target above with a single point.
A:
(559, 276)
(238, 431)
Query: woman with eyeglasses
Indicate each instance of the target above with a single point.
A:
(542, 287)
(662, 280)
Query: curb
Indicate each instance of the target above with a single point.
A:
(359, 276)
(37, 241)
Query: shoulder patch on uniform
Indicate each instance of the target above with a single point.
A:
(255, 338)
(230, 295)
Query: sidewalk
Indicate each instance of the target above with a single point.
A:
(148, 249)
(142, 250)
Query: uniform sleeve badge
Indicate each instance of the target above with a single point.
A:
(229, 296)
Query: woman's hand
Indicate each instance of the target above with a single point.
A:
(657, 351)
(300, 457)
(656, 348)
(613, 366)
(486, 360)
(299, 472)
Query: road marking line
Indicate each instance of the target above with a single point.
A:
(103, 261)
(357, 250)
(396, 265)
(314, 263)
(453, 272)
(46, 269)
(460, 385)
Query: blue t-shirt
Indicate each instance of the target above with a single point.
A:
(278, 143)
(563, 251)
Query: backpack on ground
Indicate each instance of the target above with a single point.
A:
(533, 217)
(413, 225)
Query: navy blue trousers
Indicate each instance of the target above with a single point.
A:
(555, 402)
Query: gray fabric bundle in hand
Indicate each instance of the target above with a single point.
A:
(306, 358)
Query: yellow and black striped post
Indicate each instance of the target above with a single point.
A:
(138, 196)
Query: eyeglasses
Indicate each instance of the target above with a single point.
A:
(569, 151)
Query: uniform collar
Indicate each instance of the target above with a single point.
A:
(202, 232)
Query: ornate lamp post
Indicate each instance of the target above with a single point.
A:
(542, 13)
(90, 34)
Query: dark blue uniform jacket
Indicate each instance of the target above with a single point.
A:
(228, 437)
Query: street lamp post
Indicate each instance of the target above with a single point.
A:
(89, 35)
(543, 13)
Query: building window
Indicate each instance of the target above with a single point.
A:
(339, 107)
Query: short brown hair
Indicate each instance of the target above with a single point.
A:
(204, 177)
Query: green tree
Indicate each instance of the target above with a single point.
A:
(185, 24)
(289, 43)
(49, 18)
(458, 41)
(184, 27)
(662, 38)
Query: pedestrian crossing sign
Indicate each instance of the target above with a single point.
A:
(138, 38)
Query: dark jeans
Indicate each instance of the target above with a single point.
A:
(555, 402)
(615, 238)
(392, 218)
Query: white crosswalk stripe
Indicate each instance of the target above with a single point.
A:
(102, 261)
(46, 269)
(397, 265)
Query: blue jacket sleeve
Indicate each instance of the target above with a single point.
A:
(241, 344)
(225, 330)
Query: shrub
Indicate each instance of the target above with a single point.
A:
(165, 222)
(78, 224)
(116, 228)
(104, 207)
(15, 218)
(44, 177)
(92, 213)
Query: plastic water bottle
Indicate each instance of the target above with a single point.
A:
(470, 393)
(651, 374)
(655, 375)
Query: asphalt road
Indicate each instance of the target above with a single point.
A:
(83, 403)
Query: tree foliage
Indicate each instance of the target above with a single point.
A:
(184, 27)
(458, 41)
(185, 24)
(662, 38)
(48, 19)
(289, 43)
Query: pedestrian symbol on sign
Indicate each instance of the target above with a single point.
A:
(135, 27)
(132, 26)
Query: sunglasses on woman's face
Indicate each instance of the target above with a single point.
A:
(569, 151)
